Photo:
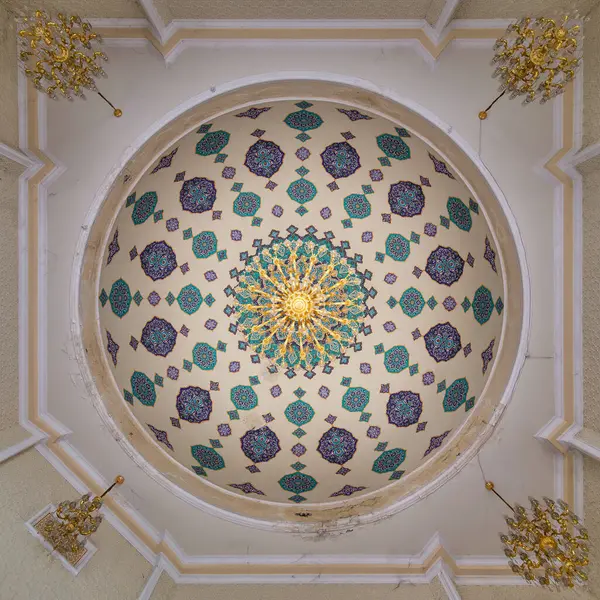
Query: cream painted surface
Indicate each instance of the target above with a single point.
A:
(9, 122)
(307, 9)
(457, 89)
(124, 9)
(508, 9)
(10, 430)
(27, 571)
(166, 590)
(591, 79)
(591, 292)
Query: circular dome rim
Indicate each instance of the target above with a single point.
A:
(90, 352)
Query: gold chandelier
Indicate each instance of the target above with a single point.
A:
(300, 303)
(67, 529)
(546, 545)
(61, 56)
(537, 58)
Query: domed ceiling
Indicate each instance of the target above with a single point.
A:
(301, 302)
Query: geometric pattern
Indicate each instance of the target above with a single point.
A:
(407, 343)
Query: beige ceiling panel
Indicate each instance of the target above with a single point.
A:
(110, 9)
(434, 11)
(307, 9)
(507, 9)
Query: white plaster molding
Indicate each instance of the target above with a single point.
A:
(19, 447)
(146, 593)
(150, 470)
(581, 157)
(16, 156)
(583, 439)
(447, 580)
(445, 18)
(156, 21)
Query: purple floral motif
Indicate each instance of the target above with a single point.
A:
(302, 153)
(353, 114)
(113, 247)
(389, 326)
(373, 432)
(298, 450)
(158, 260)
(247, 488)
(440, 166)
(172, 224)
(449, 303)
(193, 404)
(277, 211)
(331, 419)
(347, 490)
(406, 199)
(340, 159)
(337, 445)
(428, 378)
(367, 237)
(404, 409)
(161, 436)
(153, 298)
(421, 426)
(376, 175)
(228, 173)
(390, 278)
(487, 355)
(165, 161)
(365, 368)
(490, 255)
(443, 342)
(198, 195)
(445, 265)
(234, 366)
(173, 373)
(224, 430)
(253, 113)
(112, 347)
(210, 324)
(324, 392)
(175, 422)
(435, 442)
(425, 181)
(264, 158)
(159, 337)
(275, 391)
(260, 445)
(430, 229)
(325, 212)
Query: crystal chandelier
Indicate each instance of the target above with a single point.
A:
(74, 521)
(547, 544)
(536, 58)
(300, 303)
(61, 56)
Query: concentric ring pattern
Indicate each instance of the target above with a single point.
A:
(301, 302)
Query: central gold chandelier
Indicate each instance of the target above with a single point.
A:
(537, 58)
(300, 303)
(60, 56)
(546, 545)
